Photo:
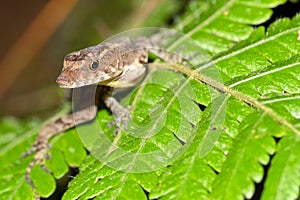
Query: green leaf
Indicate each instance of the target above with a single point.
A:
(181, 180)
(217, 25)
(57, 164)
(256, 55)
(275, 81)
(13, 184)
(43, 182)
(184, 146)
(283, 176)
(13, 139)
(250, 149)
(71, 147)
(16, 141)
(105, 183)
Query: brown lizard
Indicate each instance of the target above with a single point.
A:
(115, 64)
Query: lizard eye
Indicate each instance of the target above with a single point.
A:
(94, 65)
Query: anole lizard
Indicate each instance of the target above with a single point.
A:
(119, 63)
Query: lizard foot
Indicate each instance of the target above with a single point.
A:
(122, 116)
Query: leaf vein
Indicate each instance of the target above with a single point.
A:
(264, 74)
(260, 42)
(204, 23)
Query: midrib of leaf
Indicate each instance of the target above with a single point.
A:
(204, 23)
(241, 154)
(284, 98)
(245, 98)
(122, 181)
(255, 44)
(228, 89)
(264, 74)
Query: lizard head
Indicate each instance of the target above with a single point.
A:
(94, 65)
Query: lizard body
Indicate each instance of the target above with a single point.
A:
(120, 63)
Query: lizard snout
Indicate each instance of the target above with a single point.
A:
(63, 81)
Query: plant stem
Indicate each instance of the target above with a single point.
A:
(238, 95)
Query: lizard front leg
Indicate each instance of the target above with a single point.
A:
(41, 144)
(122, 115)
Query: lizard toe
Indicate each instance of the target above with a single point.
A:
(121, 121)
(32, 150)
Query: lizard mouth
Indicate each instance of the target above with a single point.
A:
(69, 79)
(63, 82)
(67, 82)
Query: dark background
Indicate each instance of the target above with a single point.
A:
(37, 34)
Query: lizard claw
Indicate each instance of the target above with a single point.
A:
(30, 151)
(45, 168)
(34, 149)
